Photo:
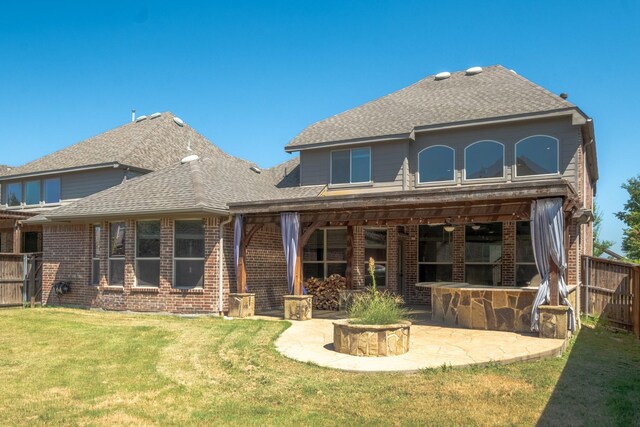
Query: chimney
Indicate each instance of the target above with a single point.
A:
(133, 115)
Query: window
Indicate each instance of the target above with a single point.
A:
(148, 253)
(435, 254)
(436, 164)
(116, 253)
(14, 194)
(52, 190)
(95, 256)
(483, 254)
(32, 192)
(188, 254)
(375, 246)
(351, 166)
(537, 155)
(325, 253)
(484, 159)
(526, 269)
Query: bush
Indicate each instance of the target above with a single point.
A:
(376, 308)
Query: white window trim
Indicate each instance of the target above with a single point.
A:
(93, 255)
(324, 261)
(515, 159)
(453, 167)
(119, 257)
(136, 258)
(173, 242)
(350, 183)
(494, 178)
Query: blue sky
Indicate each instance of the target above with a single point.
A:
(251, 75)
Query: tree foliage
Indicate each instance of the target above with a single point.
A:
(630, 215)
(599, 246)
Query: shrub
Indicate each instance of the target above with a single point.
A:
(376, 308)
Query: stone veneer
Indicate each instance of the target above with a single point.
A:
(371, 340)
(298, 307)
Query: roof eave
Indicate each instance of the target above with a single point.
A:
(115, 165)
(198, 210)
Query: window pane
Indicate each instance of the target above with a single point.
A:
(525, 274)
(380, 273)
(14, 194)
(95, 272)
(436, 164)
(375, 245)
(340, 167)
(96, 241)
(189, 241)
(147, 272)
(148, 239)
(486, 275)
(116, 272)
(435, 244)
(314, 249)
(52, 190)
(32, 192)
(189, 274)
(313, 269)
(361, 165)
(116, 239)
(435, 273)
(524, 247)
(337, 244)
(484, 160)
(484, 244)
(537, 155)
(337, 268)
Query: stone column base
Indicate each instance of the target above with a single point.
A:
(298, 307)
(553, 321)
(242, 305)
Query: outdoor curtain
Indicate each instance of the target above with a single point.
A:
(238, 231)
(547, 237)
(290, 225)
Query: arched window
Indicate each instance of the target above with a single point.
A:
(484, 159)
(436, 164)
(537, 155)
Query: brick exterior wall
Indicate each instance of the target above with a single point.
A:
(509, 253)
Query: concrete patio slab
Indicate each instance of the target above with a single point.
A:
(431, 346)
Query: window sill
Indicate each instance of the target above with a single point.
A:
(144, 290)
(186, 291)
(537, 177)
(111, 288)
(350, 185)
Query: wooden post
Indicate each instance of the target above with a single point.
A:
(553, 283)
(241, 277)
(635, 277)
(297, 277)
(32, 280)
(17, 238)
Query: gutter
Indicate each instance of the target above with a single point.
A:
(220, 253)
(114, 165)
(137, 214)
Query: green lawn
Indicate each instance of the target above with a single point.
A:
(64, 366)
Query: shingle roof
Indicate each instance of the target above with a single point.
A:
(495, 92)
(4, 169)
(207, 184)
(150, 144)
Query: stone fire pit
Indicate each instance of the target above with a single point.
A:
(371, 340)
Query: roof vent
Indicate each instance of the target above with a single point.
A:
(190, 158)
(443, 75)
(564, 95)
(514, 72)
(154, 115)
(141, 118)
(473, 71)
(178, 121)
(256, 169)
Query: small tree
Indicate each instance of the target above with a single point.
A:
(599, 246)
(630, 215)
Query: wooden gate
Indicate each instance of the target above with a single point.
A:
(611, 289)
(20, 279)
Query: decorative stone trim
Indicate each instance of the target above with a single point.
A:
(371, 340)
(112, 288)
(553, 321)
(242, 305)
(298, 307)
(186, 291)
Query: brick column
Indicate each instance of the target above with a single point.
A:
(458, 253)
(211, 256)
(359, 270)
(166, 254)
(104, 253)
(392, 258)
(129, 254)
(509, 253)
(573, 257)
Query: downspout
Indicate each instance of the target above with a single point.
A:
(220, 253)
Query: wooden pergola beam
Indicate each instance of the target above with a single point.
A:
(302, 241)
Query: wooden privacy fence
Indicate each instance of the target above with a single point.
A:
(20, 279)
(611, 289)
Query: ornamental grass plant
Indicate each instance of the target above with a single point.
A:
(375, 307)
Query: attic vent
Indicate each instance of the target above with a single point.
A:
(473, 71)
(443, 75)
(190, 158)
(256, 169)
(178, 121)
(564, 95)
(154, 115)
(141, 118)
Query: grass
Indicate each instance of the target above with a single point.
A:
(76, 367)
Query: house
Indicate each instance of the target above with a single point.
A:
(436, 182)
(90, 166)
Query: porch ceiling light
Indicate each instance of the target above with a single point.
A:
(449, 228)
(475, 227)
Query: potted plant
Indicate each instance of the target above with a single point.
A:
(377, 324)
